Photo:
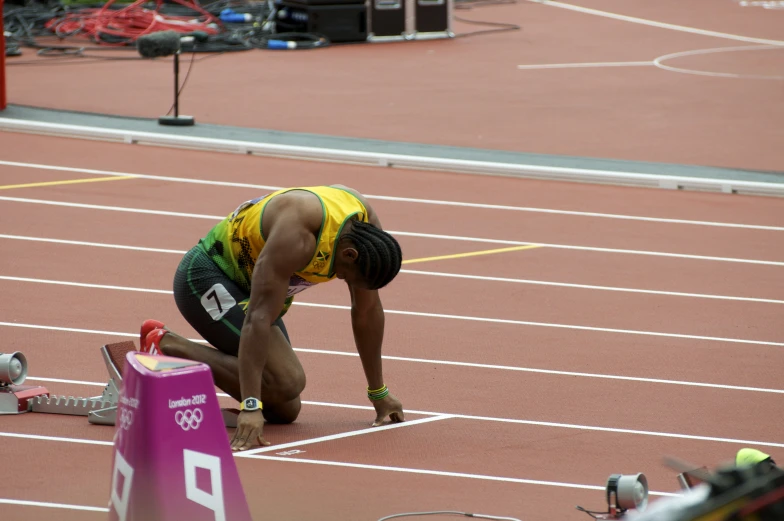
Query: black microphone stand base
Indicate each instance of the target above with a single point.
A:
(176, 121)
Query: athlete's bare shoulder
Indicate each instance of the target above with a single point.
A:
(297, 210)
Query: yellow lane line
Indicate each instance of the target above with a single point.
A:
(69, 182)
(473, 253)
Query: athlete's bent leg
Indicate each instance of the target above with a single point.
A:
(215, 306)
(283, 378)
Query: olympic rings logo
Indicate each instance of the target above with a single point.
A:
(188, 419)
(126, 419)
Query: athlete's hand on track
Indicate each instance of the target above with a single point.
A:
(388, 406)
(250, 426)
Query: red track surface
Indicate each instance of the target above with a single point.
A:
(544, 428)
(554, 385)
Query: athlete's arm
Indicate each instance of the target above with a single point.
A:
(367, 323)
(289, 246)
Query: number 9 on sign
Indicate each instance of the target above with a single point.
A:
(192, 460)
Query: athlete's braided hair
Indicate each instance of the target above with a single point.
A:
(380, 255)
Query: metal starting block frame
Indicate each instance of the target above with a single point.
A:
(102, 410)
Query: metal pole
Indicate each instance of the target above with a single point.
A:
(176, 84)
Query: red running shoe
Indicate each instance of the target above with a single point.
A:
(152, 342)
(147, 326)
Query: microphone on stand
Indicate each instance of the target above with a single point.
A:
(167, 43)
(158, 44)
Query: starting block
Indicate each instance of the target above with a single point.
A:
(100, 410)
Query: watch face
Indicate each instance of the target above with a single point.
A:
(251, 402)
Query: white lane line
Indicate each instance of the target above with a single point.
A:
(64, 381)
(577, 213)
(111, 208)
(394, 469)
(408, 199)
(216, 218)
(434, 361)
(446, 474)
(587, 248)
(342, 435)
(410, 272)
(436, 274)
(551, 325)
(566, 426)
(551, 371)
(22, 502)
(535, 423)
(91, 244)
(467, 318)
(583, 64)
(69, 329)
(591, 287)
(444, 362)
(86, 285)
(54, 438)
(424, 361)
(653, 23)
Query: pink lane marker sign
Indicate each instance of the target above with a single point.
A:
(172, 459)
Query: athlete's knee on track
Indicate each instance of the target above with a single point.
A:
(285, 387)
(283, 413)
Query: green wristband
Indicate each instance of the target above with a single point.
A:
(378, 394)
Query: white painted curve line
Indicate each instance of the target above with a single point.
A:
(435, 202)
(586, 64)
(216, 218)
(658, 62)
(342, 435)
(25, 503)
(661, 25)
(444, 473)
(457, 317)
